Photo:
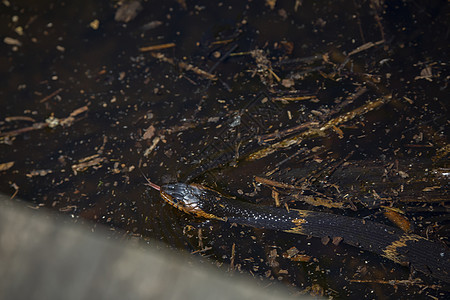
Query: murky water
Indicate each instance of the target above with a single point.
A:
(85, 113)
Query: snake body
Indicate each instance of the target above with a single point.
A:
(423, 255)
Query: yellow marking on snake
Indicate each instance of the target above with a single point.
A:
(391, 250)
(298, 223)
(189, 210)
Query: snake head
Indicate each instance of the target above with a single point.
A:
(189, 198)
(185, 197)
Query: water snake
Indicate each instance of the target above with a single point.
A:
(421, 254)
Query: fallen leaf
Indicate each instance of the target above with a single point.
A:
(287, 82)
(337, 240)
(39, 173)
(301, 257)
(6, 166)
(149, 133)
(128, 11)
(399, 220)
(290, 252)
(11, 41)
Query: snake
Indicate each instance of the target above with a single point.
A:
(423, 255)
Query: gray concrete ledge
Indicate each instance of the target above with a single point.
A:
(45, 258)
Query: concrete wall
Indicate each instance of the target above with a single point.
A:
(44, 256)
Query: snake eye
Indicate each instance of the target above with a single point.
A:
(176, 191)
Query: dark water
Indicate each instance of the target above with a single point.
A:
(394, 155)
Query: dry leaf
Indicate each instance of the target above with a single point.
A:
(149, 133)
(337, 240)
(399, 220)
(6, 166)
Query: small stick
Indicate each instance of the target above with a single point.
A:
(233, 255)
(157, 47)
(51, 95)
(274, 183)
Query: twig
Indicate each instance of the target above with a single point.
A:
(278, 184)
(416, 282)
(300, 98)
(157, 47)
(315, 132)
(233, 255)
(201, 250)
(51, 95)
(225, 56)
(358, 21)
(365, 47)
(184, 66)
(64, 121)
(35, 126)
(280, 134)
